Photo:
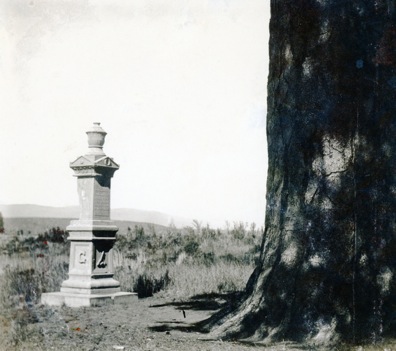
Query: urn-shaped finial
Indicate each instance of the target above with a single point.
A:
(96, 139)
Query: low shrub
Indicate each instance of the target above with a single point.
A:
(191, 247)
(147, 284)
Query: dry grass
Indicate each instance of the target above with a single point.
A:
(187, 262)
(23, 279)
(190, 280)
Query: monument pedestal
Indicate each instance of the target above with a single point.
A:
(83, 300)
(91, 237)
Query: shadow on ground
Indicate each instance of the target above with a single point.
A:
(204, 302)
(194, 315)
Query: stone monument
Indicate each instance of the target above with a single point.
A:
(92, 236)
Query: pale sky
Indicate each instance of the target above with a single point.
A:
(179, 86)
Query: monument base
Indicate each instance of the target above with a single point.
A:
(85, 300)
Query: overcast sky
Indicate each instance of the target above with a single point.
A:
(179, 86)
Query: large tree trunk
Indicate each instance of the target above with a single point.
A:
(327, 267)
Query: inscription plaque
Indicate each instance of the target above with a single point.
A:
(101, 205)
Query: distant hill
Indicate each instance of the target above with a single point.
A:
(37, 225)
(72, 212)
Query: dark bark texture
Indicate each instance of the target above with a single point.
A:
(327, 267)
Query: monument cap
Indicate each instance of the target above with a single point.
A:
(96, 138)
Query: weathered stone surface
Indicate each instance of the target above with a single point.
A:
(327, 268)
(84, 300)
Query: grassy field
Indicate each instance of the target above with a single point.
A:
(150, 260)
(193, 269)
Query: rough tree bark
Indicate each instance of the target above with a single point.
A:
(327, 266)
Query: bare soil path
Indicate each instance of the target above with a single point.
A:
(147, 324)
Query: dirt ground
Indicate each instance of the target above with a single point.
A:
(146, 324)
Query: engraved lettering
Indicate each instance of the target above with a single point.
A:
(83, 257)
(101, 204)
